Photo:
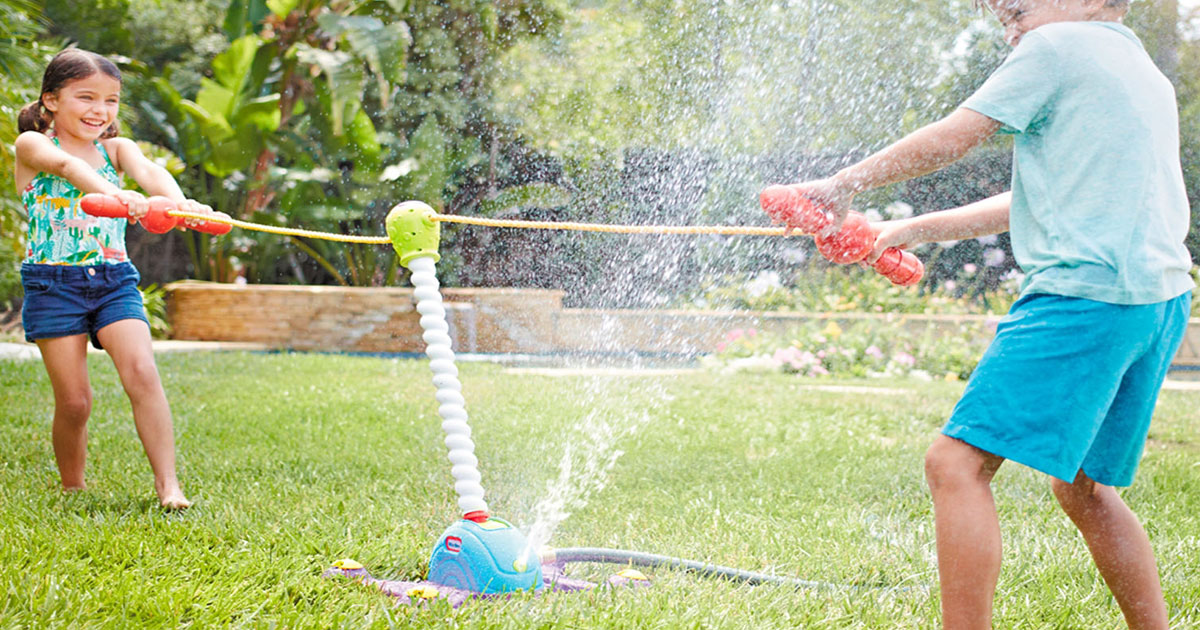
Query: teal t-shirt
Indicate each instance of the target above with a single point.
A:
(1099, 207)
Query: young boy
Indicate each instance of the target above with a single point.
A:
(1098, 215)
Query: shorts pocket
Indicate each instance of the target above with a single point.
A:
(37, 285)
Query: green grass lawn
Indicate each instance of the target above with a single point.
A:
(296, 461)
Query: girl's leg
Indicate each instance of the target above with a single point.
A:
(128, 343)
(968, 530)
(1119, 547)
(66, 364)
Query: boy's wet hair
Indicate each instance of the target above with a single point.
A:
(68, 65)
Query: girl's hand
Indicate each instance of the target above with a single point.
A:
(194, 207)
(135, 202)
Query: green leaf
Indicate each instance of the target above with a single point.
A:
(364, 143)
(282, 8)
(243, 16)
(214, 127)
(382, 47)
(233, 67)
(262, 113)
(215, 98)
(343, 81)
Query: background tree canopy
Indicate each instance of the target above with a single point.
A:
(326, 113)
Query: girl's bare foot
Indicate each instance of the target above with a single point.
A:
(171, 497)
(73, 489)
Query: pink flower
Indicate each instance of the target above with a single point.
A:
(734, 334)
(905, 359)
(874, 352)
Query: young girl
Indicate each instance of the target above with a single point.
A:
(78, 280)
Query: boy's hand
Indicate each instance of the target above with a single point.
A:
(135, 202)
(832, 197)
(898, 234)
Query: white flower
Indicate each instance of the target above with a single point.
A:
(994, 257)
(898, 210)
(794, 255)
(763, 282)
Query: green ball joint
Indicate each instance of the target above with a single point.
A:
(413, 231)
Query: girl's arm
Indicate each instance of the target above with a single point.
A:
(987, 216)
(154, 179)
(37, 153)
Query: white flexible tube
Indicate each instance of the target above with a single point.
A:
(452, 407)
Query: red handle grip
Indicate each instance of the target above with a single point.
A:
(157, 220)
(852, 243)
(899, 266)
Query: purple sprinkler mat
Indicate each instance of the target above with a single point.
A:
(418, 592)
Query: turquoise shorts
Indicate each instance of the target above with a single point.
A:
(1069, 384)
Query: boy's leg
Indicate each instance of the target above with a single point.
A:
(1120, 548)
(66, 364)
(128, 343)
(968, 530)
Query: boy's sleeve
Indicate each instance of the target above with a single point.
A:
(1018, 94)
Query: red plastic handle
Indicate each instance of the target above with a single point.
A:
(157, 220)
(852, 243)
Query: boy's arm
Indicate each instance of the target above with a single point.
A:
(922, 151)
(987, 216)
(38, 153)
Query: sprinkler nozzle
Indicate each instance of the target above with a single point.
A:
(478, 516)
(413, 231)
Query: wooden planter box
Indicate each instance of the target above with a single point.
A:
(384, 320)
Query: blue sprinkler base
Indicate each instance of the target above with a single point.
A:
(486, 556)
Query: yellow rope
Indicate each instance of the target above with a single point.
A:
(258, 227)
(616, 229)
(503, 223)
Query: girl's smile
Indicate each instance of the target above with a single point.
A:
(85, 107)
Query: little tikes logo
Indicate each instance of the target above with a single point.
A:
(453, 544)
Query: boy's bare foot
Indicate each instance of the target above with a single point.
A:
(73, 489)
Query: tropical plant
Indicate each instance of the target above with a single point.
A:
(23, 52)
(327, 113)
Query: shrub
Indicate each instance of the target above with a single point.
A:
(154, 299)
(884, 347)
(824, 288)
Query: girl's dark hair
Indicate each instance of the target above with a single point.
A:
(66, 66)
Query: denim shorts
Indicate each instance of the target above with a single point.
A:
(1070, 384)
(64, 300)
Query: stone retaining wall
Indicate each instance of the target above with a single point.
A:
(483, 320)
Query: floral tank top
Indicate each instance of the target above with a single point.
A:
(60, 233)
